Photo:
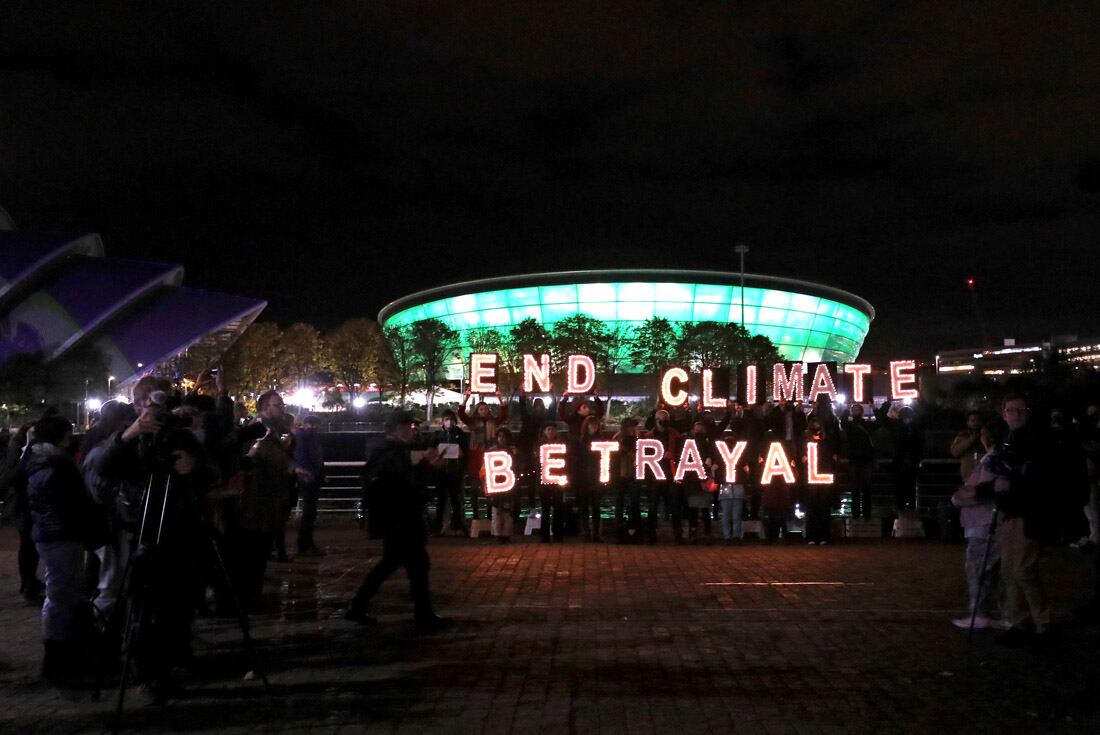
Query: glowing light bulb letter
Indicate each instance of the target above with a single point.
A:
(750, 385)
(680, 397)
(604, 449)
(901, 375)
(787, 386)
(730, 457)
(499, 475)
(483, 372)
(857, 370)
(574, 384)
(709, 401)
(777, 463)
(813, 476)
(822, 383)
(649, 453)
(551, 458)
(536, 373)
(690, 461)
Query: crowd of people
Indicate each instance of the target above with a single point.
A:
(690, 507)
(170, 507)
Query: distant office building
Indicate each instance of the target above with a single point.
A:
(1014, 358)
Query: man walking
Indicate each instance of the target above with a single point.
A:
(395, 498)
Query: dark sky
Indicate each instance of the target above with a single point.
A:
(333, 158)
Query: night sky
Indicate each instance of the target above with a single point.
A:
(333, 159)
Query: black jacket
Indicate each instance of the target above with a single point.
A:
(58, 502)
(393, 491)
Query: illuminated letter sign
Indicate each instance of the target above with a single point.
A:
(730, 457)
(777, 463)
(813, 477)
(605, 449)
(574, 384)
(680, 397)
(901, 375)
(787, 386)
(858, 371)
(715, 381)
(748, 384)
(552, 457)
(649, 453)
(483, 372)
(822, 383)
(499, 475)
(690, 461)
(536, 372)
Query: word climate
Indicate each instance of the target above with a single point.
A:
(790, 381)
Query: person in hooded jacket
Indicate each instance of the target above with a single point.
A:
(58, 505)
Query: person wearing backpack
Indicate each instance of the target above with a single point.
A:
(394, 494)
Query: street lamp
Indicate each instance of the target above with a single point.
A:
(741, 249)
(110, 379)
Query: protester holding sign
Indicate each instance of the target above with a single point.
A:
(483, 425)
(451, 445)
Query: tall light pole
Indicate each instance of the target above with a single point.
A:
(110, 379)
(741, 249)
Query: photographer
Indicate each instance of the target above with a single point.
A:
(262, 496)
(171, 567)
(159, 453)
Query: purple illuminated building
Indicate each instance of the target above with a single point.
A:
(58, 291)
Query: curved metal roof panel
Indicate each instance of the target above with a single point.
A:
(172, 322)
(26, 254)
(96, 289)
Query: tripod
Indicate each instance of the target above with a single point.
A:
(140, 573)
(984, 572)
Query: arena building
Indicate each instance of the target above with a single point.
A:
(806, 321)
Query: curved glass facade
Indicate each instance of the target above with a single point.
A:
(802, 326)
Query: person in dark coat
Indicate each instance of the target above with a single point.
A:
(58, 505)
(585, 475)
(859, 447)
(551, 496)
(394, 492)
(820, 499)
(309, 468)
(452, 445)
(533, 415)
(13, 486)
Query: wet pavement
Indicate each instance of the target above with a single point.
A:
(602, 638)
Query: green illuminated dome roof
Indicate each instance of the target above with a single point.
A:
(806, 321)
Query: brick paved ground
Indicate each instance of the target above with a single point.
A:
(581, 638)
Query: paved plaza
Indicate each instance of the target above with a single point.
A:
(603, 638)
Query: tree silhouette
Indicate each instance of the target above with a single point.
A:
(653, 347)
(435, 346)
